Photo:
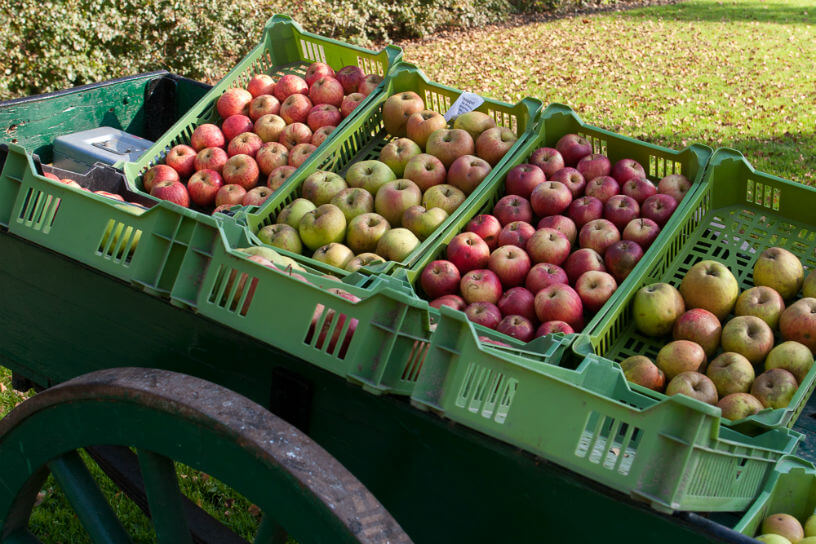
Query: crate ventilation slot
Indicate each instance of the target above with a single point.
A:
(118, 241)
(487, 392)
(763, 195)
(333, 327)
(233, 290)
(504, 119)
(313, 51)
(415, 359)
(598, 144)
(369, 66)
(660, 167)
(39, 210)
(608, 442)
(437, 102)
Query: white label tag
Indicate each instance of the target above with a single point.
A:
(466, 102)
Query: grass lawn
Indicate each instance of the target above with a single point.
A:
(725, 73)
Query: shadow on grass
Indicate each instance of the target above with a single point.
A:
(791, 12)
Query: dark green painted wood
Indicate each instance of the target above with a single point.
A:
(164, 498)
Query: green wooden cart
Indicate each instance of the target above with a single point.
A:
(138, 383)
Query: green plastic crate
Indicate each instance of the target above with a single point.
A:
(365, 137)
(735, 215)
(673, 454)
(143, 246)
(285, 49)
(556, 121)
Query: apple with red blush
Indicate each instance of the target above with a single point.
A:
(573, 148)
(316, 70)
(260, 84)
(621, 258)
(327, 90)
(172, 191)
(288, 85)
(295, 109)
(350, 78)
(639, 188)
(516, 233)
(467, 172)
(621, 209)
(264, 104)
(585, 209)
(270, 156)
(234, 101)
(160, 172)
(553, 327)
(483, 313)
(674, 185)
(487, 227)
(598, 235)
(594, 165)
(603, 188)
(581, 261)
(269, 127)
(518, 327)
(550, 198)
(207, 135)
(235, 125)
(294, 134)
(452, 301)
(512, 208)
(548, 159)
(494, 143)
(319, 136)
(181, 158)
(467, 251)
(246, 143)
(323, 115)
(658, 208)
(369, 83)
(518, 301)
(542, 275)
(203, 186)
(548, 245)
(560, 302)
(642, 230)
(210, 158)
(626, 169)
(595, 288)
(522, 179)
(256, 196)
(561, 223)
(440, 278)
(480, 285)
(241, 170)
(511, 264)
(572, 178)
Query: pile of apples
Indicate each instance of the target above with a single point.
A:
(382, 209)
(267, 131)
(752, 371)
(594, 221)
(786, 529)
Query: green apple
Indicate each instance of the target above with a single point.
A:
(423, 222)
(363, 259)
(354, 201)
(780, 270)
(370, 175)
(783, 525)
(333, 254)
(793, 357)
(294, 212)
(680, 356)
(693, 384)
(773, 539)
(321, 226)
(474, 122)
(775, 388)
(282, 261)
(364, 231)
(321, 187)
(397, 244)
(282, 236)
(394, 197)
(443, 196)
(397, 153)
(711, 286)
(809, 286)
(762, 302)
(656, 307)
(739, 406)
(731, 373)
(748, 335)
(810, 526)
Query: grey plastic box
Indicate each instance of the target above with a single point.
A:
(78, 151)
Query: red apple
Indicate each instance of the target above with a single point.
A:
(230, 195)
(620, 209)
(246, 143)
(595, 288)
(487, 227)
(562, 224)
(440, 278)
(295, 109)
(485, 314)
(512, 208)
(622, 257)
(511, 264)
(454, 301)
(518, 327)
(173, 191)
(598, 235)
(299, 154)
(552, 327)
(160, 172)
(480, 285)
(270, 156)
(584, 210)
(548, 159)
(560, 302)
(658, 208)
(323, 115)
(573, 148)
(798, 322)
(626, 169)
(210, 158)
(516, 233)
(181, 158)
(327, 90)
(203, 186)
(350, 103)
(264, 104)
(550, 198)
(674, 185)
(256, 196)
(468, 252)
(639, 188)
(548, 246)
(235, 125)
(518, 301)
(603, 188)
(593, 166)
(421, 124)
(494, 143)
(581, 261)
(701, 327)
(425, 170)
(294, 134)
(260, 84)
(207, 135)
(350, 78)
(522, 179)
(288, 85)
(269, 127)
(467, 172)
(278, 176)
(234, 101)
(368, 84)
(572, 178)
(447, 145)
(543, 275)
(316, 70)
(321, 134)
(642, 230)
(241, 170)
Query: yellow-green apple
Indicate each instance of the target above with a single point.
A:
(370, 175)
(326, 90)
(560, 302)
(423, 222)
(550, 198)
(518, 301)
(321, 134)
(731, 373)
(692, 384)
(512, 208)
(595, 288)
(585, 209)
(439, 278)
(542, 275)
(264, 104)
(181, 158)
(364, 231)
(603, 188)
(518, 327)
(350, 103)
(594, 165)
(809, 285)
(323, 115)
(210, 158)
(256, 196)
(548, 159)
(288, 85)
(235, 125)
(522, 179)
(516, 233)
(394, 197)
(480, 285)
(494, 143)
(453, 301)
(468, 252)
(626, 169)
(316, 70)
(675, 185)
(552, 327)
(639, 188)
(548, 246)
(467, 172)
(783, 525)
(447, 145)
(322, 186)
(598, 234)
(293, 212)
(207, 135)
(425, 170)
(160, 172)
(762, 302)
(269, 127)
(296, 108)
(333, 254)
(775, 388)
(621, 258)
(353, 201)
(172, 191)
(621, 209)
(397, 244)
(420, 125)
(780, 270)
(573, 148)
(350, 78)
(772, 539)
(369, 83)
(511, 264)
(260, 84)
(246, 143)
(270, 156)
(363, 259)
(278, 176)
(710, 285)
(282, 236)
(748, 335)
(793, 357)
(483, 313)
(398, 108)
(203, 186)
(234, 101)
(658, 208)
(241, 170)
(487, 227)
(656, 307)
(230, 195)
(641, 230)
(641, 370)
(798, 322)
(572, 178)
(323, 225)
(443, 196)
(581, 261)
(700, 326)
(561, 223)
(294, 134)
(474, 122)
(739, 406)
(397, 153)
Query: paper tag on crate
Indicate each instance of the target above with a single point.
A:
(466, 102)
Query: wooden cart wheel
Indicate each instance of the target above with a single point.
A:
(166, 417)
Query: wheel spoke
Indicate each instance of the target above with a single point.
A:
(164, 498)
(88, 502)
(270, 532)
